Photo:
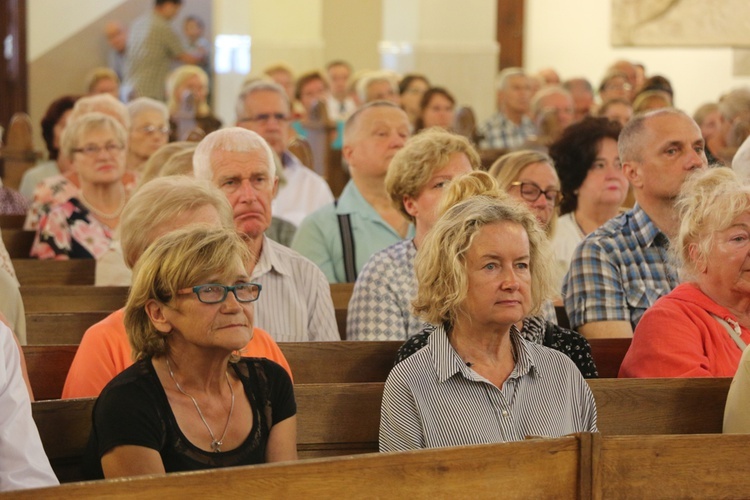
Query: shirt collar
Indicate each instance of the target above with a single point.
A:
(270, 260)
(645, 230)
(448, 363)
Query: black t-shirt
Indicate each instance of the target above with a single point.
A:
(133, 410)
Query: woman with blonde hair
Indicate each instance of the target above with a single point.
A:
(187, 94)
(417, 177)
(484, 264)
(189, 402)
(533, 327)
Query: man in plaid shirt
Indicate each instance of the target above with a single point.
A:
(510, 127)
(621, 269)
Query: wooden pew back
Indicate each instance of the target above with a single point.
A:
(18, 242)
(60, 328)
(48, 366)
(73, 298)
(54, 272)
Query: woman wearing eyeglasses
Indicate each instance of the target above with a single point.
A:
(188, 402)
(149, 130)
(530, 177)
(593, 184)
(82, 227)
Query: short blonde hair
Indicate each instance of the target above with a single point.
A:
(176, 78)
(507, 169)
(440, 265)
(156, 161)
(477, 183)
(161, 201)
(709, 201)
(179, 259)
(97, 74)
(423, 155)
(102, 103)
(180, 163)
(77, 129)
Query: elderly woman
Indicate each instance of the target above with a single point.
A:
(58, 189)
(701, 328)
(593, 184)
(82, 227)
(149, 130)
(436, 109)
(189, 402)
(417, 176)
(154, 210)
(188, 86)
(484, 264)
(530, 177)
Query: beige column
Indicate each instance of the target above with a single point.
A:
(452, 42)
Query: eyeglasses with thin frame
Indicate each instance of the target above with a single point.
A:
(93, 150)
(214, 293)
(264, 118)
(531, 192)
(153, 129)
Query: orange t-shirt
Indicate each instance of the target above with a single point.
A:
(105, 351)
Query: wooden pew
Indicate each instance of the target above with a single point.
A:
(343, 419)
(18, 242)
(485, 471)
(608, 355)
(685, 466)
(340, 294)
(18, 155)
(73, 298)
(48, 366)
(55, 272)
(60, 328)
(8, 221)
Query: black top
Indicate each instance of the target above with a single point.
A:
(133, 410)
(535, 329)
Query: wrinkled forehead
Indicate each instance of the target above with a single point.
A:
(239, 163)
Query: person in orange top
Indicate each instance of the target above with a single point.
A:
(159, 207)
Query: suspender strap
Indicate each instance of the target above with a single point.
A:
(347, 242)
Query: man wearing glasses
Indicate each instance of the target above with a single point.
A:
(263, 107)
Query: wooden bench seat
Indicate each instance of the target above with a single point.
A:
(73, 298)
(344, 419)
(54, 272)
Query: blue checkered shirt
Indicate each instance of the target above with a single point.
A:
(500, 133)
(618, 271)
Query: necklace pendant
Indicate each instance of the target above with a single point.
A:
(216, 446)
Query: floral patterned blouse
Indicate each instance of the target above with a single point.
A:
(69, 231)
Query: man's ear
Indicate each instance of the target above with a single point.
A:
(155, 312)
(275, 185)
(633, 171)
(410, 206)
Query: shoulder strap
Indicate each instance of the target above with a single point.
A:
(733, 332)
(347, 242)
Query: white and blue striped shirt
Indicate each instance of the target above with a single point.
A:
(432, 399)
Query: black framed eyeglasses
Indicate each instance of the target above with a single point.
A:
(213, 293)
(531, 192)
(266, 117)
(93, 150)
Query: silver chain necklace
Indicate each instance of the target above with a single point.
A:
(215, 444)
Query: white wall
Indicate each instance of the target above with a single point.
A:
(573, 37)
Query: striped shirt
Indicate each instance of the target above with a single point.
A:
(295, 304)
(500, 133)
(432, 399)
(618, 271)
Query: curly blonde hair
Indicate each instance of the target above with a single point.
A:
(413, 166)
(180, 259)
(440, 265)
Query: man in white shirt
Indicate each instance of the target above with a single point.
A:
(296, 303)
(263, 107)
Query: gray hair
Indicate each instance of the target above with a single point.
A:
(630, 143)
(233, 139)
(374, 77)
(258, 86)
(536, 103)
(353, 121)
(145, 104)
(503, 78)
(709, 201)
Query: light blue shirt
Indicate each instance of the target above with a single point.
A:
(319, 238)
